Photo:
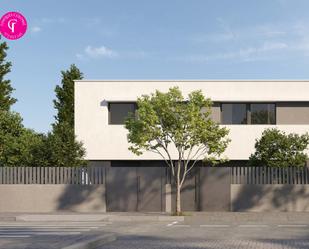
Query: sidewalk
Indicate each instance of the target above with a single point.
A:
(249, 217)
(209, 217)
(67, 216)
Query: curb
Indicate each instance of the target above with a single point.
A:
(146, 218)
(93, 243)
(91, 218)
(62, 217)
(9, 218)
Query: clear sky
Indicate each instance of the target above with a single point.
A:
(159, 39)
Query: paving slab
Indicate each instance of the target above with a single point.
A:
(92, 243)
(249, 217)
(83, 217)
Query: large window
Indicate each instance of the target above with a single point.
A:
(234, 113)
(118, 112)
(263, 113)
(248, 113)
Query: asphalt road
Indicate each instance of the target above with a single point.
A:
(46, 235)
(194, 233)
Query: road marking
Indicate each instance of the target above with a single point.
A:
(300, 225)
(25, 230)
(49, 225)
(57, 233)
(171, 224)
(55, 227)
(53, 224)
(181, 226)
(38, 233)
(45, 230)
(214, 225)
(253, 225)
(14, 236)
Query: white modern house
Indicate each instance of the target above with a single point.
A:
(101, 106)
(246, 107)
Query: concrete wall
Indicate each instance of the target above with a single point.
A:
(292, 113)
(266, 197)
(249, 198)
(52, 198)
(109, 142)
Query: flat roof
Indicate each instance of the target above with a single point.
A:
(186, 80)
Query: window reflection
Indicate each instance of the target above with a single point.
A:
(248, 113)
(262, 113)
(118, 112)
(234, 113)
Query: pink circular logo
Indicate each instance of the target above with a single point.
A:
(13, 25)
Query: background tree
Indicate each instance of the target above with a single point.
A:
(6, 100)
(24, 147)
(277, 149)
(64, 103)
(167, 122)
(17, 144)
(66, 151)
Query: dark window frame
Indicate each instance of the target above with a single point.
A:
(268, 110)
(118, 102)
(248, 113)
(221, 111)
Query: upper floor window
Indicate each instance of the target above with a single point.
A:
(248, 113)
(234, 113)
(118, 112)
(263, 113)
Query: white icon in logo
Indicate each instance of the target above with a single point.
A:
(11, 24)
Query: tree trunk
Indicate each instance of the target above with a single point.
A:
(178, 201)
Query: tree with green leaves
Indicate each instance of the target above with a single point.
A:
(166, 123)
(17, 144)
(6, 100)
(64, 103)
(277, 149)
(66, 151)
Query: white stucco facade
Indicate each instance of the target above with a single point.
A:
(108, 142)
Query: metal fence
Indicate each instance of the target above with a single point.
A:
(96, 175)
(269, 175)
(52, 175)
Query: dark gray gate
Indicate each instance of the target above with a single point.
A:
(151, 180)
(139, 186)
(189, 192)
(134, 186)
(121, 189)
(215, 189)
